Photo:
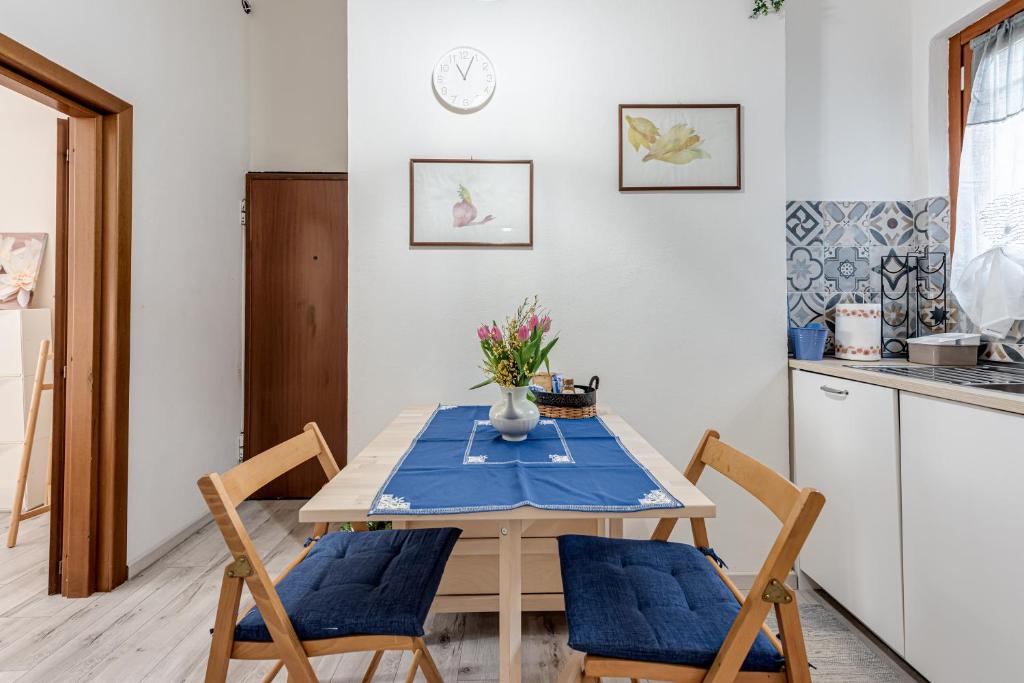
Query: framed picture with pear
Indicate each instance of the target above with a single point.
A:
(673, 147)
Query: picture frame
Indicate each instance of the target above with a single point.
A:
(680, 147)
(470, 203)
(21, 261)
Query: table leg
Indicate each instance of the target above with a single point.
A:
(510, 601)
(615, 527)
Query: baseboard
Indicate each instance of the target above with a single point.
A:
(745, 580)
(138, 566)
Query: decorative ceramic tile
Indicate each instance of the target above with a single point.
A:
(938, 316)
(847, 269)
(804, 223)
(935, 269)
(842, 223)
(1016, 333)
(855, 236)
(931, 221)
(1003, 353)
(889, 267)
(806, 308)
(890, 223)
(804, 268)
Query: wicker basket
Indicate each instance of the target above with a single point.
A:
(567, 413)
(575, 406)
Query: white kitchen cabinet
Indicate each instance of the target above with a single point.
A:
(21, 331)
(846, 444)
(963, 533)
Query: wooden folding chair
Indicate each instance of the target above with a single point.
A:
(223, 493)
(797, 509)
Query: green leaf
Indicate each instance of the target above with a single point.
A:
(545, 351)
(482, 384)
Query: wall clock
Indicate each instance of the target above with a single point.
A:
(464, 80)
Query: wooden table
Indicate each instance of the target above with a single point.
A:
(350, 494)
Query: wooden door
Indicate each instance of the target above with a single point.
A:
(296, 306)
(59, 349)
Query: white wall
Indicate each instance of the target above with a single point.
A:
(867, 96)
(28, 178)
(181, 64)
(297, 92)
(848, 100)
(670, 297)
(934, 21)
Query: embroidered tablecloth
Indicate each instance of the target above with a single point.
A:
(459, 463)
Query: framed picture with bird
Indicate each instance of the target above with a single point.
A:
(679, 147)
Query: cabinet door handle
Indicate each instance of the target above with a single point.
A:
(838, 392)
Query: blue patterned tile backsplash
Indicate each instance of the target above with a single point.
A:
(848, 252)
(837, 252)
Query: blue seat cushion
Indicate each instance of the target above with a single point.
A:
(366, 583)
(650, 601)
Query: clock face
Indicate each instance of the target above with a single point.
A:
(464, 80)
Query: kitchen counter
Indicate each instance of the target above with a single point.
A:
(997, 400)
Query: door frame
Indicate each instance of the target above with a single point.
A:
(339, 454)
(88, 529)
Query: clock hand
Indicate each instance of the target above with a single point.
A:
(460, 71)
(469, 67)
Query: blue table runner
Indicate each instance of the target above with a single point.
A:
(459, 463)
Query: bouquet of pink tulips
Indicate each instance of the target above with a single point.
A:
(513, 355)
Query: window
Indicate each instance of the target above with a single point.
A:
(986, 112)
(961, 61)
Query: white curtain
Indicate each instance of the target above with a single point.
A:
(988, 255)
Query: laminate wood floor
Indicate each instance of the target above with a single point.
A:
(156, 626)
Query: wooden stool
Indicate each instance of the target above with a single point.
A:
(26, 452)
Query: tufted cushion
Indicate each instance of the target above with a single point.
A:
(650, 601)
(371, 583)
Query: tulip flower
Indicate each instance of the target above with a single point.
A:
(515, 360)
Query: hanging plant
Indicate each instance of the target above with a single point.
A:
(763, 7)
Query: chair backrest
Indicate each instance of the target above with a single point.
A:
(797, 508)
(223, 493)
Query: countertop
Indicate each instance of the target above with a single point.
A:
(997, 400)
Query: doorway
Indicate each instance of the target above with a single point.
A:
(33, 211)
(296, 318)
(89, 463)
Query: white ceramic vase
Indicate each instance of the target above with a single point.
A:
(514, 415)
(859, 331)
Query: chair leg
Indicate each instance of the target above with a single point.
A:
(430, 670)
(416, 657)
(272, 674)
(738, 641)
(798, 670)
(372, 669)
(572, 671)
(224, 630)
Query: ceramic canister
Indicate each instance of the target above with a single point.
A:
(859, 331)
